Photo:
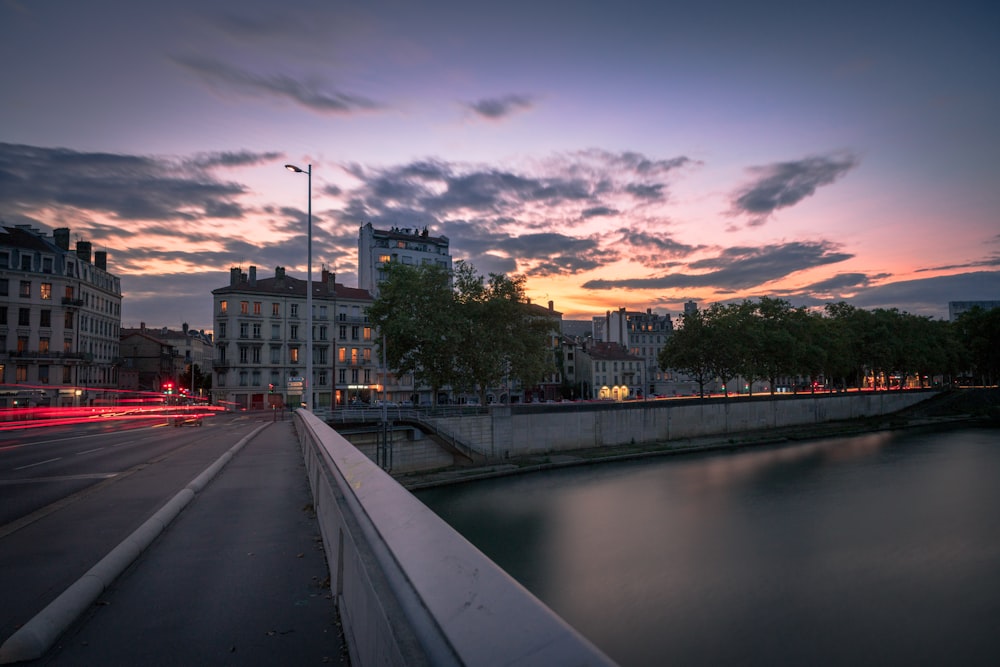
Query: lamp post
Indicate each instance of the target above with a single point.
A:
(307, 385)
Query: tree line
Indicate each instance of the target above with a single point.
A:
(767, 340)
(459, 329)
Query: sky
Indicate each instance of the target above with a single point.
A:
(634, 154)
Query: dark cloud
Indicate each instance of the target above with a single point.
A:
(659, 245)
(737, 268)
(573, 187)
(495, 108)
(125, 186)
(784, 184)
(309, 92)
(930, 296)
(844, 283)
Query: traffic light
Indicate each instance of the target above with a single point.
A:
(270, 388)
(168, 387)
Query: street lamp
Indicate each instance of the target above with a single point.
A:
(307, 385)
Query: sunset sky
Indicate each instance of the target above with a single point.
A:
(636, 154)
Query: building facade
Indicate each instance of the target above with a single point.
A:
(643, 334)
(60, 320)
(260, 342)
(611, 371)
(377, 247)
(153, 357)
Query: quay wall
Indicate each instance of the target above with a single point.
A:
(520, 430)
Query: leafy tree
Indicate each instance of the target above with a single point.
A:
(689, 349)
(415, 313)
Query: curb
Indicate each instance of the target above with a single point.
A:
(37, 636)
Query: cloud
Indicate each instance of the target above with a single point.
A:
(737, 268)
(930, 296)
(784, 184)
(310, 92)
(128, 187)
(496, 108)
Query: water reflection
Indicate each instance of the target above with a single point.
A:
(877, 549)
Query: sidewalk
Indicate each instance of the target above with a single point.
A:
(238, 578)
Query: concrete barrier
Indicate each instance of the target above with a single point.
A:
(409, 589)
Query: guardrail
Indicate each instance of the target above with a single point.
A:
(412, 591)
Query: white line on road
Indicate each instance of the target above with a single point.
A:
(40, 463)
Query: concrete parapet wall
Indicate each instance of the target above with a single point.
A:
(409, 589)
(526, 430)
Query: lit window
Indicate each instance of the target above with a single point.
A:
(46, 291)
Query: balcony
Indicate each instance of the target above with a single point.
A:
(69, 301)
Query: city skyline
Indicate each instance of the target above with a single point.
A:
(641, 155)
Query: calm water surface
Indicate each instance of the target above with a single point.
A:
(882, 549)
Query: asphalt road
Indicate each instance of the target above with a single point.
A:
(67, 498)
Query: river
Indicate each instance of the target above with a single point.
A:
(881, 549)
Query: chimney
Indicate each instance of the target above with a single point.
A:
(234, 276)
(330, 280)
(184, 328)
(101, 259)
(253, 276)
(279, 273)
(142, 326)
(83, 250)
(551, 306)
(61, 237)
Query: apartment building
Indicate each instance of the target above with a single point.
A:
(260, 342)
(643, 334)
(376, 247)
(60, 318)
(610, 371)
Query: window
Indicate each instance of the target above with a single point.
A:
(368, 333)
(322, 379)
(43, 344)
(43, 375)
(275, 355)
(46, 265)
(46, 291)
(294, 331)
(244, 307)
(342, 334)
(293, 310)
(244, 354)
(322, 312)
(342, 355)
(221, 382)
(275, 309)
(354, 376)
(3, 287)
(354, 332)
(255, 378)
(275, 331)
(342, 375)
(368, 355)
(26, 262)
(21, 374)
(293, 355)
(67, 375)
(3, 314)
(256, 329)
(383, 258)
(256, 355)
(45, 318)
(25, 288)
(256, 307)
(223, 307)
(368, 375)
(243, 378)
(244, 330)
(67, 346)
(222, 329)
(22, 343)
(322, 333)
(354, 356)
(23, 317)
(320, 355)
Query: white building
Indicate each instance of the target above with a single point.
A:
(376, 247)
(260, 342)
(60, 317)
(643, 334)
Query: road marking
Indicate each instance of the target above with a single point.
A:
(40, 463)
(58, 478)
(89, 451)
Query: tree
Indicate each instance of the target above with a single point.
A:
(416, 315)
(502, 338)
(689, 349)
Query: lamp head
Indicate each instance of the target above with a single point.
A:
(292, 167)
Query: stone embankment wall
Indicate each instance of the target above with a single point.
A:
(514, 431)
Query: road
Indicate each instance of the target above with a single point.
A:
(68, 495)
